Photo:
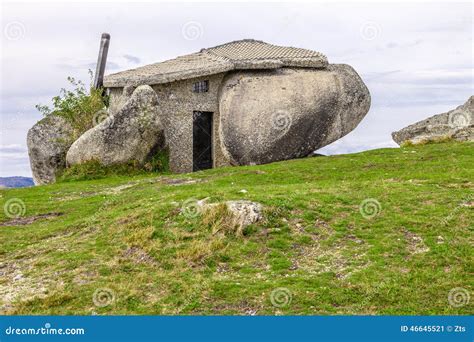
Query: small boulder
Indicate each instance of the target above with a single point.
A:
(133, 133)
(48, 141)
(244, 212)
(457, 124)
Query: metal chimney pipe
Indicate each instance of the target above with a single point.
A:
(102, 60)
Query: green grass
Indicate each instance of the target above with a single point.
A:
(158, 163)
(129, 238)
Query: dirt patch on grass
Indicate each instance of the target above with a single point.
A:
(243, 308)
(24, 221)
(180, 181)
(107, 191)
(117, 189)
(84, 277)
(77, 195)
(320, 230)
(16, 286)
(31, 273)
(139, 256)
(415, 244)
(342, 257)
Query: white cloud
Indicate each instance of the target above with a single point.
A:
(132, 59)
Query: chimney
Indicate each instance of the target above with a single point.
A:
(101, 61)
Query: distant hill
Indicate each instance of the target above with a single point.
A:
(16, 182)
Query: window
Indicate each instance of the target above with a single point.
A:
(201, 87)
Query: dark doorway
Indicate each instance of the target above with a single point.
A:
(202, 140)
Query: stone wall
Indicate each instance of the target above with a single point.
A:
(177, 102)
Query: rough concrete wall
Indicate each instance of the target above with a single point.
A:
(177, 102)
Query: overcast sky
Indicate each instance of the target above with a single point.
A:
(416, 59)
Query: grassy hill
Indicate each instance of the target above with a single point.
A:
(388, 231)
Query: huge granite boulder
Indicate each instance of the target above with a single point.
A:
(132, 133)
(457, 124)
(272, 115)
(48, 141)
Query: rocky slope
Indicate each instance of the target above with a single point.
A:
(457, 124)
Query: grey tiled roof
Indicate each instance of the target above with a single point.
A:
(237, 55)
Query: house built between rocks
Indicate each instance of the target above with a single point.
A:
(242, 103)
(246, 102)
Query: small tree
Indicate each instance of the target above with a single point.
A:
(78, 106)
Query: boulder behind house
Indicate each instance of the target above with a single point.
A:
(457, 124)
(48, 141)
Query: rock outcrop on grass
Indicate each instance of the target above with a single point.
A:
(288, 113)
(48, 142)
(246, 212)
(133, 133)
(230, 215)
(457, 124)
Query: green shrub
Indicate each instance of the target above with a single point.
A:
(83, 109)
(95, 170)
(78, 106)
(159, 163)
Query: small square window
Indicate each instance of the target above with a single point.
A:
(201, 87)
